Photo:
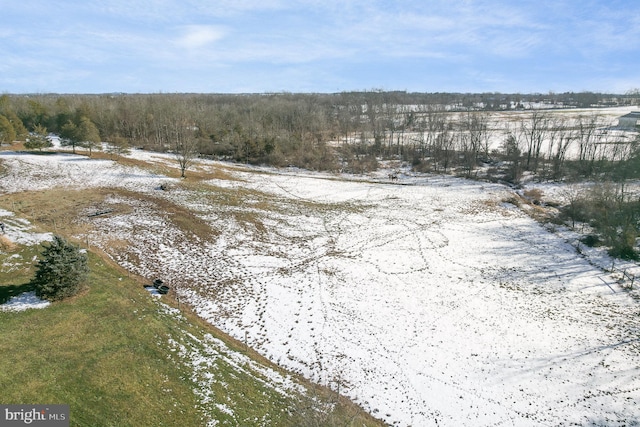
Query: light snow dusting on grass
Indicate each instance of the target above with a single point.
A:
(20, 231)
(430, 302)
(207, 356)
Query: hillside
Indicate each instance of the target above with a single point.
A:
(120, 356)
(428, 300)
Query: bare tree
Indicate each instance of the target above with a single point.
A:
(573, 196)
(433, 123)
(534, 132)
(477, 125)
(473, 137)
(443, 145)
(559, 139)
(587, 139)
(465, 147)
(181, 136)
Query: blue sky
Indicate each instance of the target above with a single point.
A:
(233, 46)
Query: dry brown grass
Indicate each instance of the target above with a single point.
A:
(56, 209)
(15, 146)
(198, 171)
(65, 211)
(534, 194)
(540, 213)
(531, 205)
(6, 244)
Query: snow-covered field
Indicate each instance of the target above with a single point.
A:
(428, 302)
(502, 124)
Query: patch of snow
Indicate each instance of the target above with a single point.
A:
(154, 292)
(24, 301)
(20, 231)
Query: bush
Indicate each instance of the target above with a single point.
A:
(535, 195)
(61, 272)
(624, 252)
(591, 240)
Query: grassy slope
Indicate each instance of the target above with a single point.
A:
(101, 352)
(107, 352)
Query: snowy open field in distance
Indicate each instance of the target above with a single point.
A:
(500, 124)
(428, 302)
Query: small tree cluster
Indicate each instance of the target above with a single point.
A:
(11, 127)
(62, 270)
(82, 132)
(613, 215)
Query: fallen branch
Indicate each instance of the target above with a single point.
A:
(104, 212)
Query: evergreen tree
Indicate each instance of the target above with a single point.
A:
(69, 135)
(62, 270)
(88, 134)
(85, 133)
(38, 139)
(7, 132)
(18, 126)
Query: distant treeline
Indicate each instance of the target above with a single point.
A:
(348, 131)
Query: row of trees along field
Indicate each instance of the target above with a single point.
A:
(346, 131)
(482, 136)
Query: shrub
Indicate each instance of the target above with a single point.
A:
(535, 195)
(624, 252)
(591, 240)
(61, 272)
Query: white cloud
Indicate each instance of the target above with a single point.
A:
(199, 36)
